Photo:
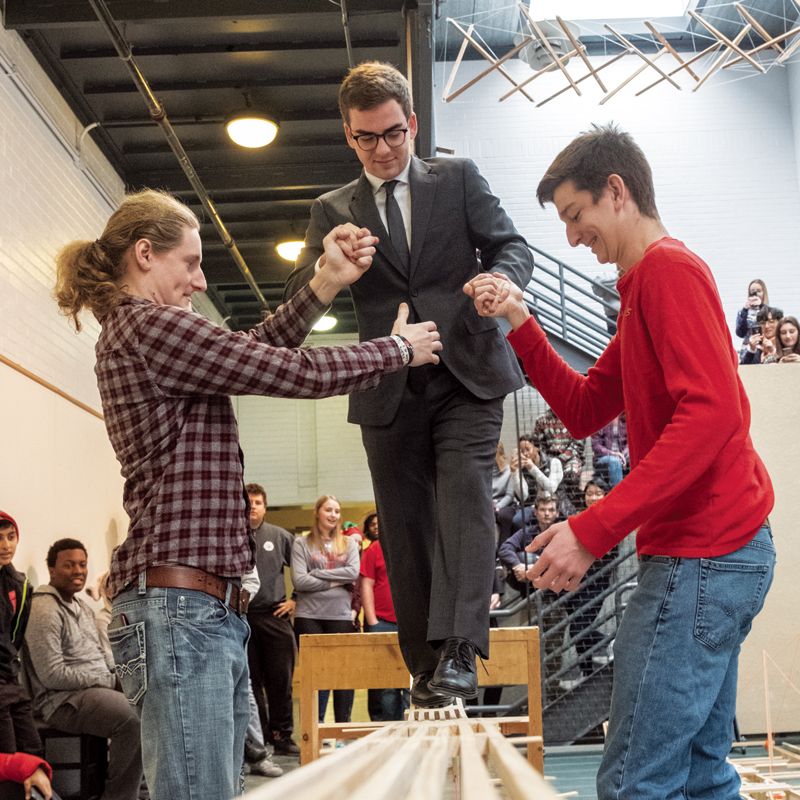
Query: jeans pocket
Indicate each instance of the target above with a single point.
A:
(729, 596)
(130, 659)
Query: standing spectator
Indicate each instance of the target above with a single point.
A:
(17, 729)
(325, 565)
(379, 616)
(72, 675)
(610, 449)
(746, 325)
(165, 375)
(430, 436)
(762, 345)
(271, 650)
(786, 340)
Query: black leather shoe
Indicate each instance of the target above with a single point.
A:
(456, 673)
(423, 697)
(284, 745)
(254, 752)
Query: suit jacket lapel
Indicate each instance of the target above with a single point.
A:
(365, 212)
(423, 190)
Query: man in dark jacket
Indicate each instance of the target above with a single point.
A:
(17, 730)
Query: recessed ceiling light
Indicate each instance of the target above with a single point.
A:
(290, 249)
(251, 129)
(325, 323)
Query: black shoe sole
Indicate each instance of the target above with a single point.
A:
(437, 703)
(451, 692)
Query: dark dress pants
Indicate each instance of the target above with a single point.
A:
(431, 472)
(18, 732)
(271, 654)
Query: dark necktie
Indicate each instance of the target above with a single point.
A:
(394, 220)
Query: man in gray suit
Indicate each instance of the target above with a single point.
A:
(431, 434)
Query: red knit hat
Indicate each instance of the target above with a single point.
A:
(10, 519)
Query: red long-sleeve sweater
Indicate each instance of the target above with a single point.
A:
(697, 488)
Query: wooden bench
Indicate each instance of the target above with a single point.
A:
(373, 661)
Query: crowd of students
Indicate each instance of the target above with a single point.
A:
(768, 336)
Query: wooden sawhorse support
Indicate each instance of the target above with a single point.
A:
(373, 661)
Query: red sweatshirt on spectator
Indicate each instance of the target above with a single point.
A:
(697, 487)
(18, 767)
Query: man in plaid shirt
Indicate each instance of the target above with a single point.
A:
(164, 375)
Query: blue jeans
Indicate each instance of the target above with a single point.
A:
(181, 657)
(388, 704)
(614, 467)
(675, 673)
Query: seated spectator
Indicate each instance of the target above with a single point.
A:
(542, 475)
(379, 617)
(72, 675)
(507, 488)
(786, 340)
(325, 564)
(761, 345)
(746, 324)
(28, 771)
(610, 449)
(17, 729)
(553, 439)
(512, 553)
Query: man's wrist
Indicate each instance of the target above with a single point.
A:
(406, 349)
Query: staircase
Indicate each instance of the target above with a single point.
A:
(573, 705)
(566, 304)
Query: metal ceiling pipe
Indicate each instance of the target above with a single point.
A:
(159, 115)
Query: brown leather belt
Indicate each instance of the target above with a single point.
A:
(174, 576)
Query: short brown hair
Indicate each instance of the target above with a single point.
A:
(257, 488)
(588, 161)
(371, 84)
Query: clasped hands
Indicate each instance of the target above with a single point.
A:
(348, 253)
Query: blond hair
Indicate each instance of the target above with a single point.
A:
(315, 535)
(91, 274)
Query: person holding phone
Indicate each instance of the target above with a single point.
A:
(746, 325)
(761, 345)
(786, 342)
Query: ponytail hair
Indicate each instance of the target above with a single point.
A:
(91, 274)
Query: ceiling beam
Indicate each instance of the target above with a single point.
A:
(238, 82)
(278, 176)
(61, 13)
(311, 115)
(226, 47)
(282, 144)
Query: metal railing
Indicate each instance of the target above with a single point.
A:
(598, 617)
(571, 305)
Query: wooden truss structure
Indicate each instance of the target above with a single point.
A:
(374, 661)
(434, 753)
(770, 778)
(418, 760)
(774, 50)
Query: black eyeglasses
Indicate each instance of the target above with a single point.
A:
(369, 141)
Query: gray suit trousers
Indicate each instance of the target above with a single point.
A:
(431, 471)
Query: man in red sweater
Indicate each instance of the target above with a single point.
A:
(697, 492)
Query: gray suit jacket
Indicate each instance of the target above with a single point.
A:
(457, 229)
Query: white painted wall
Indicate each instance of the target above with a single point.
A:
(724, 162)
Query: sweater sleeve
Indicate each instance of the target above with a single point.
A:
(741, 323)
(301, 579)
(347, 572)
(43, 643)
(18, 767)
(583, 403)
(702, 384)
(510, 550)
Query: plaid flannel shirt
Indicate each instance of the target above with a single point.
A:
(164, 377)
